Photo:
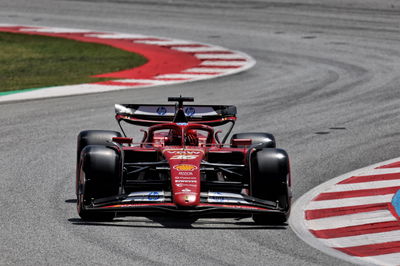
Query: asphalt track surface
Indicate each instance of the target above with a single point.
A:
(326, 84)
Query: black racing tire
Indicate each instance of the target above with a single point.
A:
(266, 140)
(92, 137)
(270, 180)
(99, 177)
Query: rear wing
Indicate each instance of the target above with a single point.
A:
(150, 114)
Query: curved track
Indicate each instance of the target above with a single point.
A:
(326, 84)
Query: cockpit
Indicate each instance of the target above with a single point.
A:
(180, 134)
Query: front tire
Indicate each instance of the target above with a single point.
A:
(92, 137)
(270, 180)
(99, 177)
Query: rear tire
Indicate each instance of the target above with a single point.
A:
(270, 180)
(266, 140)
(99, 177)
(94, 137)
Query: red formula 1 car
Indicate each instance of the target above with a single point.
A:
(181, 167)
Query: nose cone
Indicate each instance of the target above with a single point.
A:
(185, 175)
(186, 199)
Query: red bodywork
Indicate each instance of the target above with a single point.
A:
(184, 148)
(181, 165)
(185, 174)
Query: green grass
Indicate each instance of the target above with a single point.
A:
(28, 61)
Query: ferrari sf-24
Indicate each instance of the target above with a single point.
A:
(181, 167)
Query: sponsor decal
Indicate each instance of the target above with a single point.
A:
(185, 181)
(185, 185)
(145, 193)
(187, 193)
(185, 167)
(153, 196)
(185, 173)
(161, 110)
(186, 190)
(184, 157)
(217, 197)
(225, 197)
(190, 111)
(183, 152)
(145, 196)
(185, 177)
(224, 194)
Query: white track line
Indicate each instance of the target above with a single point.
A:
(219, 56)
(223, 63)
(55, 30)
(167, 42)
(207, 70)
(347, 202)
(184, 76)
(350, 220)
(200, 49)
(117, 36)
(146, 81)
(6, 25)
(365, 185)
(361, 240)
(381, 171)
(387, 259)
(60, 91)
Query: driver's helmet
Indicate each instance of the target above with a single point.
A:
(191, 138)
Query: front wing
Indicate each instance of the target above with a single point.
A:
(159, 202)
